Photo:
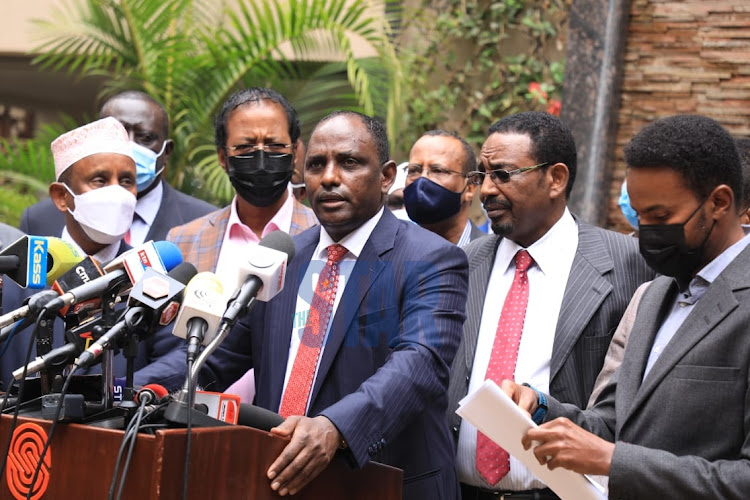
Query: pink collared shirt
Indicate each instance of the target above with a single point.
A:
(238, 236)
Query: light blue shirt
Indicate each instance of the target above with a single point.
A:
(685, 301)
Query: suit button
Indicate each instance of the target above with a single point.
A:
(382, 441)
(455, 430)
(370, 450)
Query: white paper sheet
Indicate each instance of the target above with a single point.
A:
(491, 411)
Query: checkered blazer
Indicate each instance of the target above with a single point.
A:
(200, 240)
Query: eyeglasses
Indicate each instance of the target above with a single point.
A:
(499, 176)
(414, 171)
(248, 149)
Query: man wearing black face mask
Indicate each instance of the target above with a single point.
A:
(438, 195)
(672, 423)
(256, 135)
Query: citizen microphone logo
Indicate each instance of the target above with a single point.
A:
(81, 272)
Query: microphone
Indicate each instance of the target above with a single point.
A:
(153, 301)
(32, 261)
(84, 272)
(56, 358)
(202, 307)
(161, 255)
(257, 417)
(34, 305)
(119, 277)
(152, 393)
(263, 274)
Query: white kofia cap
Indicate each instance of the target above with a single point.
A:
(102, 136)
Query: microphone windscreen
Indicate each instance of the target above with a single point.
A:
(183, 273)
(257, 417)
(279, 240)
(157, 392)
(169, 253)
(61, 257)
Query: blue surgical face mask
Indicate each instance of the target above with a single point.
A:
(145, 164)
(427, 202)
(626, 209)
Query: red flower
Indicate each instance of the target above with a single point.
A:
(554, 107)
(535, 89)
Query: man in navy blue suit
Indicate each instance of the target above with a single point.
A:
(376, 387)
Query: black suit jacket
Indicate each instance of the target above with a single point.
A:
(176, 208)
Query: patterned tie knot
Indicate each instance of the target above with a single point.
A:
(523, 261)
(336, 252)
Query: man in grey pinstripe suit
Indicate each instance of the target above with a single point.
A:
(580, 282)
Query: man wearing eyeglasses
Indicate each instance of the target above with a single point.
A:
(438, 194)
(545, 293)
(256, 134)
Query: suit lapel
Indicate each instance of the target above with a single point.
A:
(365, 273)
(214, 233)
(279, 322)
(584, 293)
(718, 302)
(161, 225)
(480, 268)
(652, 309)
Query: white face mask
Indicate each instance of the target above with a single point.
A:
(105, 214)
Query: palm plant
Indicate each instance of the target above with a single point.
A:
(191, 55)
(26, 169)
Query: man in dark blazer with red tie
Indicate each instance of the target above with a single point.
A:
(378, 389)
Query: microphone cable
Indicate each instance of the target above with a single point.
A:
(19, 401)
(130, 437)
(52, 428)
(13, 331)
(188, 439)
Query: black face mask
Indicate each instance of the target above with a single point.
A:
(427, 202)
(664, 249)
(260, 178)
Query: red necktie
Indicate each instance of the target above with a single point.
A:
(493, 462)
(297, 393)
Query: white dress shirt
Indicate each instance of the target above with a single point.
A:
(553, 257)
(102, 256)
(354, 242)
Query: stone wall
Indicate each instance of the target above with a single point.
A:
(690, 56)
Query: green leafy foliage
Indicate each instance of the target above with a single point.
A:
(192, 54)
(26, 169)
(468, 63)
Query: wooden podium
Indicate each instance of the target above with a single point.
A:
(226, 463)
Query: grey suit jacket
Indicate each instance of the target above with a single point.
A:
(685, 431)
(607, 269)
